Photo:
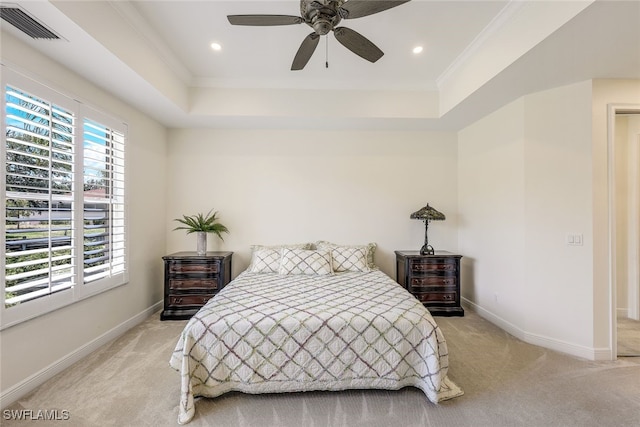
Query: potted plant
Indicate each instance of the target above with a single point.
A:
(201, 225)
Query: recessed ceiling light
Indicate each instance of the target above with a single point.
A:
(417, 49)
(216, 46)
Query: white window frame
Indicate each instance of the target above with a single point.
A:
(10, 316)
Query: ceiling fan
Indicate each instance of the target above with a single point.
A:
(324, 16)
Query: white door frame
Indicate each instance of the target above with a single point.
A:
(614, 109)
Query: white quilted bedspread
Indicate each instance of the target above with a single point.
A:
(271, 333)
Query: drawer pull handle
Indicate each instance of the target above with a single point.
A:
(433, 267)
(178, 300)
(433, 281)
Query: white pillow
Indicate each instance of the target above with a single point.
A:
(301, 261)
(369, 248)
(349, 259)
(266, 259)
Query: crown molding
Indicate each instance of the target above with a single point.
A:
(492, 28)
(131, 15)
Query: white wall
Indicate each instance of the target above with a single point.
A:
(34, 350)
(491, 209)
(557, 297)
(524, 183)
(279, 186)
(562, 299)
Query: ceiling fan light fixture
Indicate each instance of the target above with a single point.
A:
(322, 26)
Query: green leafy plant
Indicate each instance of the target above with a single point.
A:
(199, 222)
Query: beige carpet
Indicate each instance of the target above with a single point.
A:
(506, 382)
(628, 337)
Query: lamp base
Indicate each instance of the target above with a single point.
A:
(427, 250)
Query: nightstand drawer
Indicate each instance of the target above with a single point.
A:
(189, 268)
(437, 297)
(189, 284)
(429, 266)
(188, 300)
(418, 282)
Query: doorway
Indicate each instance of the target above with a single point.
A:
(625, 230)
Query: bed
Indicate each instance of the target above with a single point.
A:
(301, 319)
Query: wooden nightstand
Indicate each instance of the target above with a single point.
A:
(190, 280)
(433, 279)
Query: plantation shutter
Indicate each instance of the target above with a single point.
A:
(39, 197)
(63, 205)
(104, 201)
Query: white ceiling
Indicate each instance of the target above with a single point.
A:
(477, 55)
(262, 56)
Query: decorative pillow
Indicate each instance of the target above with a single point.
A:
(349, 259)
(266, 259)
(301, 261)
(370, 250)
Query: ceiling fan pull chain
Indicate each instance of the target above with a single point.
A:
(326, 63)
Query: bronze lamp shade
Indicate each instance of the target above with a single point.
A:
(427, 214)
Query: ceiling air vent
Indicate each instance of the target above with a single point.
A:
(25, 23)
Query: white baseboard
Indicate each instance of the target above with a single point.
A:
(589, 353)
(622, 312)
(539, 340)
(31, 383)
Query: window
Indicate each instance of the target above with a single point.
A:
(103, 202)
(64, 206)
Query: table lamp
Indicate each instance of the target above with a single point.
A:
(427, 214)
